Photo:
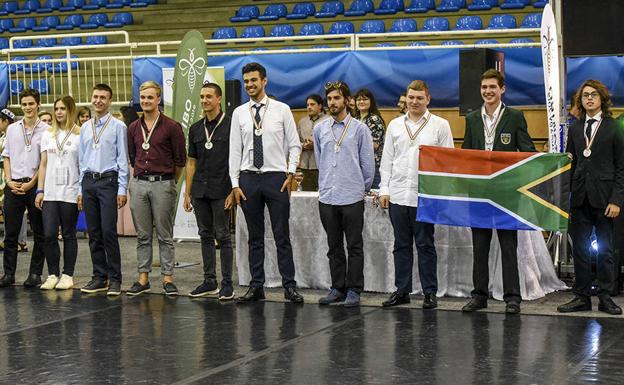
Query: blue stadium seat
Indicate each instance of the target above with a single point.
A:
(403, 25)
(25, 24)
(10, 6)
(522, 40)
(451, 5)
(436, 24)
(513, 4)
(486, 41)
(71, 40)
(381, 45)
(273, 12)
(418, 44)
(373, 26)
(22, 44)
(420, 6)
(312, 29)
(302, 11)
(16, 87)
(4, 43)
(532, 20)
(13, 68)
(330, 9)
(28, 7)
(389, 7)
(72, 5)
(92, 5)
(245, 13)
(41, 67)
(47, 23)
(465, 23)
(502, 22)
(96, 40)
(360, 8)
(119, 20)
(62, 67)
(6, 24)
(480, 5)
(341, 27)
(540, 4)
(253, 31)
(452, 42)
(40, 85)
(116, 4)
(224, 33)
(95, 21)
(71, 22)
(282, 30)
(46, 42)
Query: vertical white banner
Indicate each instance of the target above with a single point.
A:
(550, 58)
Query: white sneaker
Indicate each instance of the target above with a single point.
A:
(66, 282)
(50, 283)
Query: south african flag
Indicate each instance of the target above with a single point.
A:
(494, 189)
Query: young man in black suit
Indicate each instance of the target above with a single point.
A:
(596, 145)
(495, 127)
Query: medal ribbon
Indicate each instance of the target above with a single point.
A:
(59, 146)
(490, 131)
(96, 136)
(590, 141)
(28, 137)
(209, 137)
(344, 132)
(253, 119)
(420, 128)
(151, 131)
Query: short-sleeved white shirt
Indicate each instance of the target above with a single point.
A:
(61, 168)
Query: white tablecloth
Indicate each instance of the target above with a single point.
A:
(453, 245)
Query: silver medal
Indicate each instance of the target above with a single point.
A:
(258, 132)
(336, 148)
(146, 146)
(587, 152)
(28, 148)
(412, 143)
(208, 145)
(95, 146)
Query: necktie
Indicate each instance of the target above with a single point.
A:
(258, 157)
(588, 130)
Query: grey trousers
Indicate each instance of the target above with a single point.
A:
(153, 206)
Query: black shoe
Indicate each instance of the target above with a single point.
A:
(114, 289)
(253, 294)
(137, 288)
(430, 301)
(205, 289)
(290, 293)
(96, 285)
(7, 280)
(33, 280)
(607, 305)
(169, 288)
(474, 305)
(334, 296)
(577, 304)
(512, 308)
(396, 299)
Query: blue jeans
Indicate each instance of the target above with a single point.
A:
(407, 231)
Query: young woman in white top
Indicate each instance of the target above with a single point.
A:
(57, 192)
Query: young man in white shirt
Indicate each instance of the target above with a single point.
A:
(398, 191)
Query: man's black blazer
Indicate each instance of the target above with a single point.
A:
(601, 176)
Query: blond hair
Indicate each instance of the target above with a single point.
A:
(151, 84)
(70, 121)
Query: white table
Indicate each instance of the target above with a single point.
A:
(453, 245)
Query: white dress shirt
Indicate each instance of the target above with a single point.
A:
(399, 161)
(280, 142)
(597, 118)
(24, 164)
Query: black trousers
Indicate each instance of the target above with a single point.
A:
(582, 221)
(508, 240)
(347, 222)
(99, 201)
(14, 206)
(261, 190)
(65, 215)
(213, 222)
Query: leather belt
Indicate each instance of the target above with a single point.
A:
(100, 175)
(155, 178)
(23, 180)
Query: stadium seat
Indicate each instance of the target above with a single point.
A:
(312, 29)
(245, 13)
(140, 3)
(71, 22)
(62, 67)
(466, 23)
(46, 42)
(116, 4)
(119, 20)
(381, 45)
(420, 6)
(40, 85)
(302, 11)
(273, 12)
(13, 68)
(330, 9)
(224, 33)
(480, 5)
(71, 40)
(403, 25)
(22, 44)
(452, 42)
(513, 4)
(6, 24)
(95, 21)
(341, 27)
(96, 40)
(540, 4)
(10, 6)
(418, 44)
(92, 5)
(373, 26)
(28, 7)
(436, 24)
(532, 20)
(253, 31)
(522, 40)
(486, 41)
(451, 5)
(25, 24)
(4, 43)
(360, 8)
(282, 30)
(72, 5)
(389, 7)
(16, 87)
(41, 67)
(502, 22)
(47, 23)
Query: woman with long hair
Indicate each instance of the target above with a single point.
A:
(84, 114)
(57, 192)
(368, 113)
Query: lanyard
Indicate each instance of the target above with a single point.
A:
(60, 146)
(29, 136)
(209, 137)
(338, 142)
(491, 130)
(96, 136)
(414, 135)
(257, 125)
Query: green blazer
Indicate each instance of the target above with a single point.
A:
(511, 132)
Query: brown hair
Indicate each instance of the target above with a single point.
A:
(605, 98)
(70, 121)
(494, 74)
(417, 85)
